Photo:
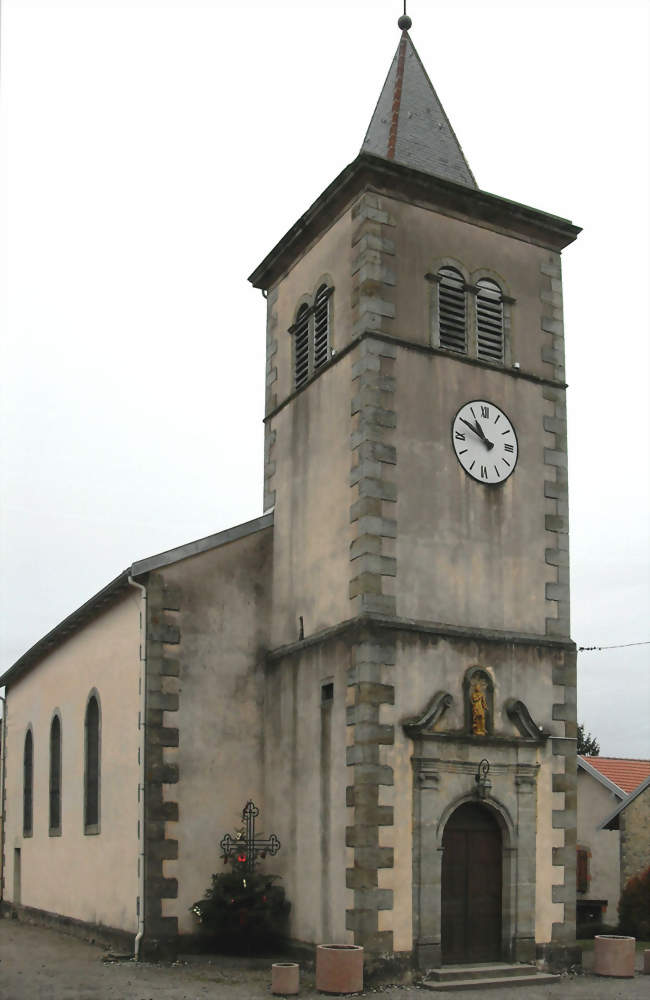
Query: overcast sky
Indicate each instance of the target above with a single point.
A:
(154, 152)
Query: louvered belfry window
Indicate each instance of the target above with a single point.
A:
(452, 310)
(301, 346)
(28, 784)
(321, 326)
(311, 337)
(489, 320)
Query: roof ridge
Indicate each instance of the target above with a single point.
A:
(444, 113)
(630, 797)
(397, 96)
(632, 760)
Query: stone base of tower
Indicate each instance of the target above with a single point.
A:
(421, 775)
(558, 957)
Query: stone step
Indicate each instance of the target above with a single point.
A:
(478, 970)
(490, 983)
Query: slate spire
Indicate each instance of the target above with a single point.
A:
(409, 124)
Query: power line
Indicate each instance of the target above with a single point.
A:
(621, 645)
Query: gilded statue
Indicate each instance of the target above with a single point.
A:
(478, 701)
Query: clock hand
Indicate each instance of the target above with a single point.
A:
(472, 427)
(479, 431)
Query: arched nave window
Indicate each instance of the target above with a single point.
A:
(92, 766)
(55, 776)
(28, 784)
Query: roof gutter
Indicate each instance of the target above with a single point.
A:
(3, 811)
(140, 906)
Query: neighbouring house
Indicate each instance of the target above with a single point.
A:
(632, 819)
(2, 799)
(605, 785)
(383, 659)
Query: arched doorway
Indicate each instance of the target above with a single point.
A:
(471, 886)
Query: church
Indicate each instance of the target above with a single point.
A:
(382, 660)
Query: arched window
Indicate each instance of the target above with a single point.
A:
(55, 776)
(489, 320)
(321, 326)
(28, 785)
(311, 336)
(452, 325)
(301, 346)
(92, 767)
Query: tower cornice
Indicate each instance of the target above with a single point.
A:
(373, 173)
(353, 628)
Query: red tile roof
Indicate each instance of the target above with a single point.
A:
(627, 774)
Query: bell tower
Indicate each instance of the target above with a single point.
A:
(416, 462)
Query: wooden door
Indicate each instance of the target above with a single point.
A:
(471, 886)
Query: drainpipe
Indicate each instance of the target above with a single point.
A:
(141, 775)
(3, 812)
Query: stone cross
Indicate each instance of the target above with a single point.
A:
(244, 847)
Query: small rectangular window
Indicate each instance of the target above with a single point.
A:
(327, 694)
(582, 869)
(17, 877)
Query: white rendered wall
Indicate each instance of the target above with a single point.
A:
(87, 877)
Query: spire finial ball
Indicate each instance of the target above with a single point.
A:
(404, 22)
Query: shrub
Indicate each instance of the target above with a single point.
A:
(243, 910)
(634, 906)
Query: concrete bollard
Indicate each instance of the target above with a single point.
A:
(339, 968)
(646, 961)
(614, 955)
(285, 978)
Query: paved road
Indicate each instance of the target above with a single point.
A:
(40, 964)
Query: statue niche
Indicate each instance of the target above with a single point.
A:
(479, 702)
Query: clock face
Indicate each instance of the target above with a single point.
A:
(485, 442)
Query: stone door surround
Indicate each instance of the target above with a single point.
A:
(439, 787)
